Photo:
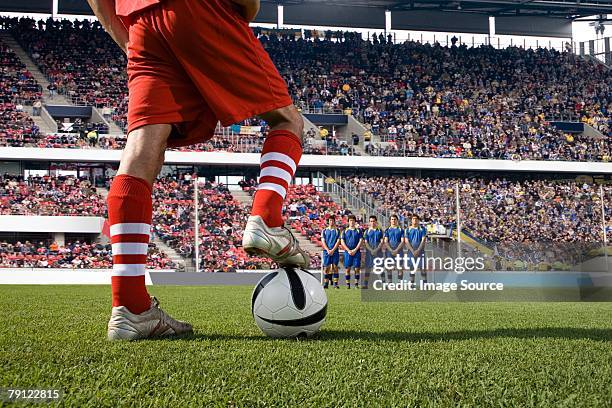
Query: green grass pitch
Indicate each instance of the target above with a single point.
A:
(368, 354)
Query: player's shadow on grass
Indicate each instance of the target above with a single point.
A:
(398, 336)
(528, 333)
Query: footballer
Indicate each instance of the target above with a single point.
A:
(394, 240)
(351, 241)
(373, 241)
(190, 65)
(414, 242)
(330, 239)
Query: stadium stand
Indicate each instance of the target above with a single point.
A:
(74, 255)
(494, 210)
(497, 209)
(221, 220)
(46, 195)
(416, 99)
(17, 87)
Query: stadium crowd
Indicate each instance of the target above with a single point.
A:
(436, 101)
(17, 87)
(74, 255)
(47, 195)
(221, 221)
(497, 209)
(498, 212)
(417, 99)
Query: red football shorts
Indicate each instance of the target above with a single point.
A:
(194, 63)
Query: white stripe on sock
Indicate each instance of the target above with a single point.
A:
(130, 228)
(276, 172)
(128, 269)
(281, 157)
(273, 187)
(130, 248)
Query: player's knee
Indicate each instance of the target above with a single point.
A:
(287, 118)
(144, 152)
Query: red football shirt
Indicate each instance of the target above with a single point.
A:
(126, 8)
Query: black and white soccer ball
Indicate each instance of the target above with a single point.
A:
(289, 302)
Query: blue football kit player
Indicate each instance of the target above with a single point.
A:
(394, 240)
(414, 240)
(330, 239)
(373, 240)
(352, 239)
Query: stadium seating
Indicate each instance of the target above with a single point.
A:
(453, 102)
(74, 255)
(221, 219)
(63, 195)
(497, 210)
(416, 99)
(17, 87)
(494, 211)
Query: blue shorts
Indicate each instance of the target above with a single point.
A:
(331, 260)
(352, 261)
(369, 259)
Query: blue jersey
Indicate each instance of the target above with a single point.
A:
(330, 236)
(415, 235)
(373, 237)
(394, 235)
(351, 237)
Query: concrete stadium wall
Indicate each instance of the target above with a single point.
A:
(311, 161)
(33, 223)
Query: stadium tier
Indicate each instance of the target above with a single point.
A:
(221, 221)
(17, 87)
(414, 99)
(494, 210)
(46, 195)
(71, 255)
(497, 209)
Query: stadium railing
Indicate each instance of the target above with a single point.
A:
(351, 197)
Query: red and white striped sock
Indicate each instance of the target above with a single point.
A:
(130, 210)
(280, 157)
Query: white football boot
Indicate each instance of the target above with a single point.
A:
(125, 325)
(277, 243)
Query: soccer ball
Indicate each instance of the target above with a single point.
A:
(289, 302)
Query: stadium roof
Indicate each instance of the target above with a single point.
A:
(546, 18)
(544, 8)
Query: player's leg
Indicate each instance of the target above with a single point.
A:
(357, 268)
(130, 213)
(280, 157)
(326, 269)
(347, 277)
(282, 150)
(327, 277)
(336, 274)
(423, 269)
(400, 270)
(369, 264)
(348, 263)
(388, 273)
